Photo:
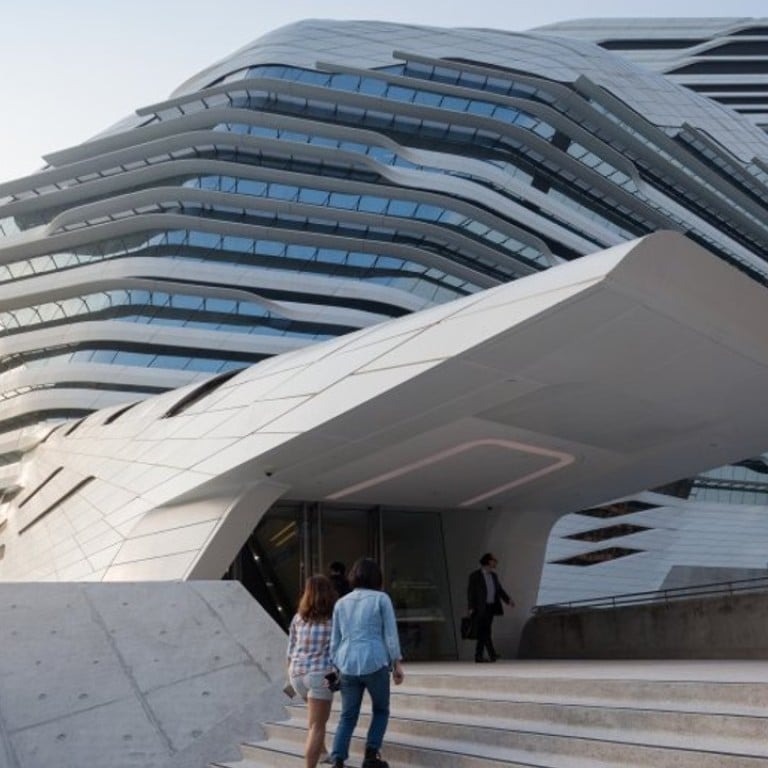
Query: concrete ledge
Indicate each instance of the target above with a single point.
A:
(157, 674)
(726, 627)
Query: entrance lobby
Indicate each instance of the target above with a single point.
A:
(295, 540)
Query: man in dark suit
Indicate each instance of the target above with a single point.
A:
(484, 597)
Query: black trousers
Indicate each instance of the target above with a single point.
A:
(484, 639)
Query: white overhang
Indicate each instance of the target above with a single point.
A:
(637, 366)
(615, 373)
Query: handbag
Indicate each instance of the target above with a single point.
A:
(333, 681)
(468, 627)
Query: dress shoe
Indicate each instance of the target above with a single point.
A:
(483, 661)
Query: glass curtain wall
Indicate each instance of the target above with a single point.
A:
(295, 540)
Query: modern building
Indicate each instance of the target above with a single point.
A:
(725, 59)
(289, 222)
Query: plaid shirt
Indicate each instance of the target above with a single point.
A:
(308, 646)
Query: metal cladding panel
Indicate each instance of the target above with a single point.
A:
(284, 210)
(399, 413)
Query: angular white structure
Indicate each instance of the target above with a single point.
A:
(725, 59)
(503, 410)
(375, 170)
(320, 185)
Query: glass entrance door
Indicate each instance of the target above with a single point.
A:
(346, 534)
(295, 540)
(416, 578)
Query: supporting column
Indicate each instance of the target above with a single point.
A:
(519, 540)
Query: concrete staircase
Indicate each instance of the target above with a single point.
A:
(555, 716)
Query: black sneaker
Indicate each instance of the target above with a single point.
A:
(338, 762)
(373, 759)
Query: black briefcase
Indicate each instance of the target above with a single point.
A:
(468, 628)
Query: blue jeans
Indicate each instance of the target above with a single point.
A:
(352, 688)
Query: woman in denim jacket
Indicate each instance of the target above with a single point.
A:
(364, 648)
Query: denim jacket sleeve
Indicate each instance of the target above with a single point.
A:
(335, 638)
(391, 639)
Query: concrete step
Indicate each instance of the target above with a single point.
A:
(738, 734)
(278, 753)
(498, 716)
(694, 696)
(407, 738)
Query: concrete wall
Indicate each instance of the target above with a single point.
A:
(150, 675)
(727, 627)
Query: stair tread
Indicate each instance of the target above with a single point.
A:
(698, 706)
(679, 739)
(502, 757)
(478, 749)
(547, 722)
(657, 705)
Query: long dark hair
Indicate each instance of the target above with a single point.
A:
(317, 601)
(366, 573)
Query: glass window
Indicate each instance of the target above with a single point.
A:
(417, 581)
(371, 204)
(347, 202)
(270, 248)
(169, 361)
(388, 262)
(345, 82)
(104, 356)
(282, 191)
(303, 252)
(204, 239)
(241, 244)
(251, 187)
(201, 364)
(358, 259)
(353, 146)
(132, 358)
(481, 108)
(428, 212)
(398, 93)
(313, 196)
(427, 98)
(186, 302)
(332, 256)
(373, 87)
(401, 208)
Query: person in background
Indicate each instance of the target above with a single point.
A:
(364, 648)
(337, 574)
(484, 597)
(309, 639)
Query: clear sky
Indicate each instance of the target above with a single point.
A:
(70, 68)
